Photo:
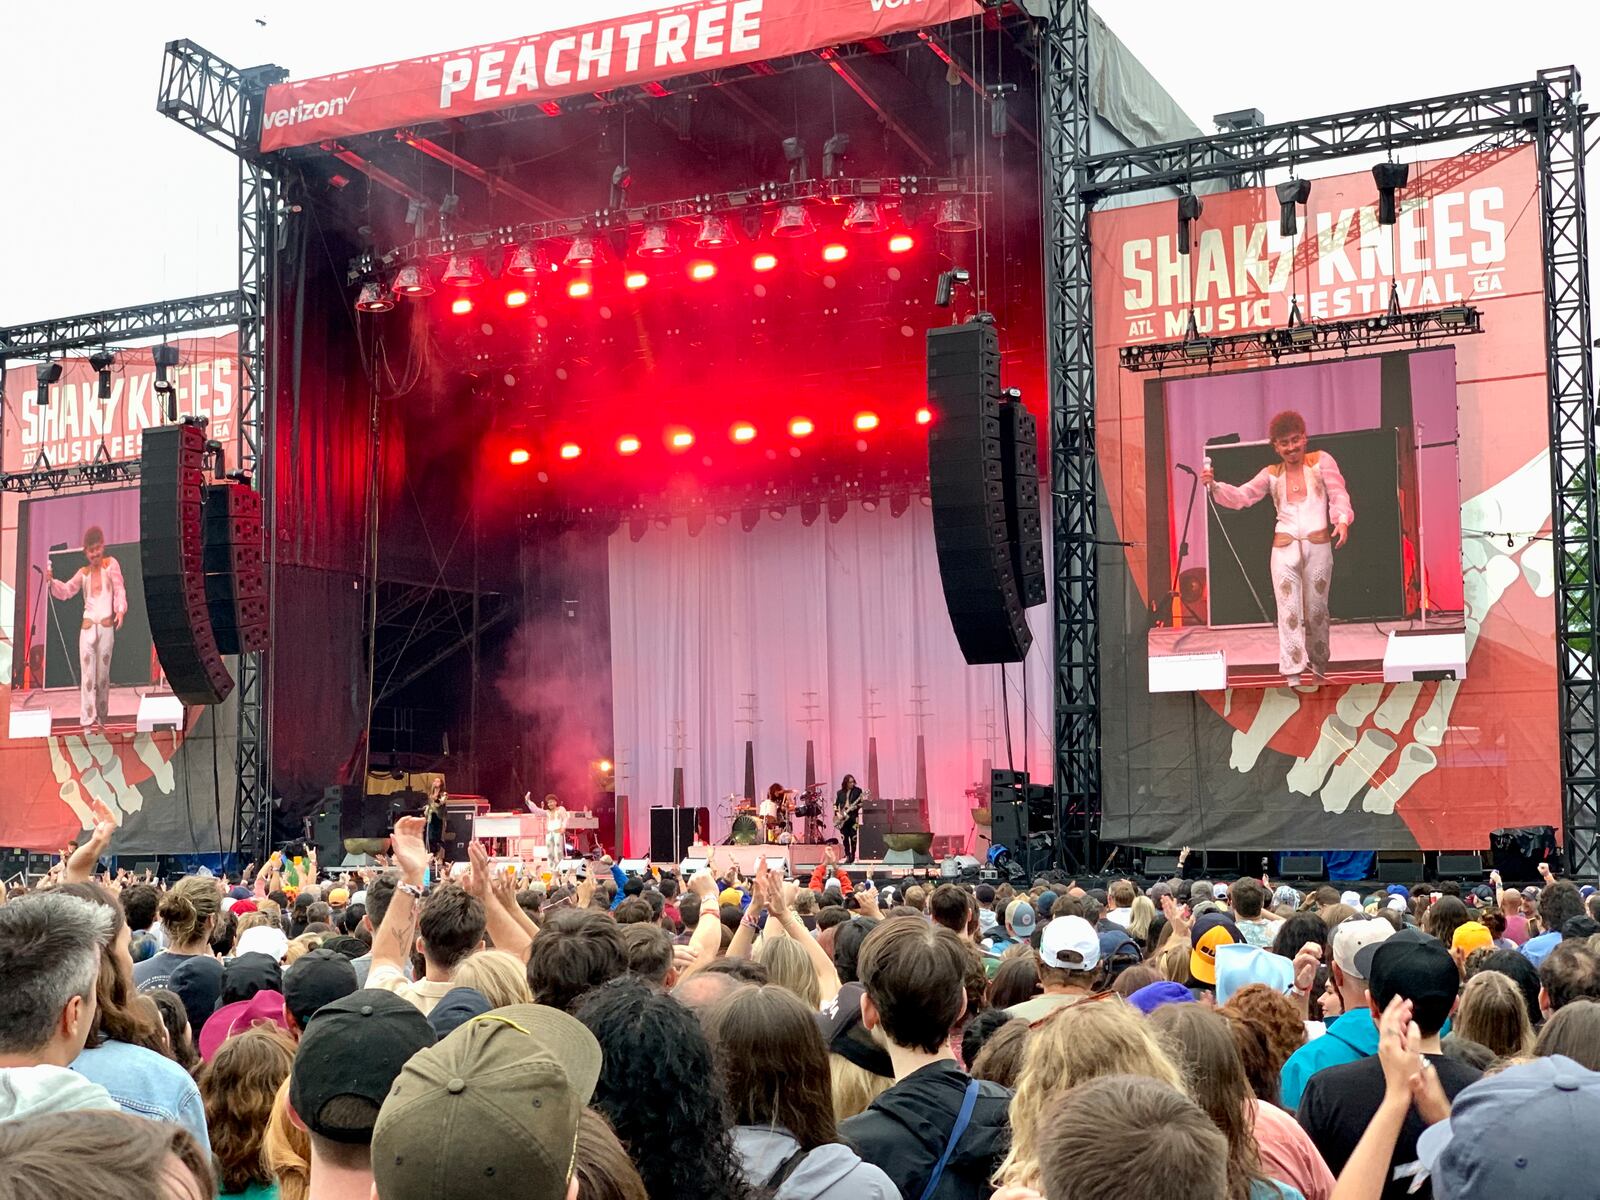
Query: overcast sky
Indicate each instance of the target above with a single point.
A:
(105, 203)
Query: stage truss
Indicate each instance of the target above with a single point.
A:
(1546, 112)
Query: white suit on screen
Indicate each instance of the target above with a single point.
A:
(1302, 553)
(104, 600)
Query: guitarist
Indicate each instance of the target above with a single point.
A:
(847, 815)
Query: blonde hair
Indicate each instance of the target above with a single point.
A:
(1077, 1044)
(303, 944)
(499, 975)
(1493, 1013)
(1172, 961)
(1142, 915)
(286, 1149)
(189, 910)
(253, 921)
(854, 1087)
(789, 967)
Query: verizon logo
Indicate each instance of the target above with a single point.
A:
(879, 6)
(309, 111)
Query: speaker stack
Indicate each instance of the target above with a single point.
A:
(236, 577)
(171, 550)
(985, 496)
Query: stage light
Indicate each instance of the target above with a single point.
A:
(869, 504)
(582, 253)
(461, 307)
(899, 501)
(101, 362)
(1290, 193)
(743, 431)
(1189, 210)
(924, 416)
(373, 299)
(657, 242)
(570, 450)
(634, 280)
(413, 281)
(464, 271)
(696, 520)
(776, 511)
(749, 518)
(1389, 176)
(794, 220)
(957, 215)
(715, 233)
(627, 444)
(763, 262)
(1455, 315)
(579, 288)
(519, 457)
(516, 298)
(638, 526)
(801, 427)
(865, 421)
(44, 375)
(901, 243)
(681, 439)
(835, 252)
(834, 151)
(838, 506)
(702, 271)
(864, 217)
(525, 261)
(810, 510)
(722, 517)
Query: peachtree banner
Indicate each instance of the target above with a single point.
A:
(675, 39)
(1371, 765)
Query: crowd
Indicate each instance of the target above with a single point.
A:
(620, 1037)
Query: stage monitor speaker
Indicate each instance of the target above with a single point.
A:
(967, 484)
(171, 555)
(664, 847)
(1301, 866)
(1159, 866)
(1399, 870)
(1010, 825)
(1517, 850)
(1464, 866)
(634, 866)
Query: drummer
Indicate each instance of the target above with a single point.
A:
(774, 812)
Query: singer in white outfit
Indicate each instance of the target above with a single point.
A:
(555, 830)
(1314, 519)
(105, 603)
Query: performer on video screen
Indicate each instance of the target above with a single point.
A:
(105, 603)
(1314, 519)
(847, 815)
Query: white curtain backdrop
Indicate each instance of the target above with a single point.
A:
(728, 636)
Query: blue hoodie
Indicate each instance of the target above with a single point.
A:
(1350, 1038)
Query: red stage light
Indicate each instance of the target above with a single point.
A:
(801, 427)
(682, 440)
(743, 431)
(461, 307)
(866, 421)
(516, 298)
(519, 456)
(627, 444)
(924, 416)
(634, 280)
(582, 253)
(579, 288)
(570, 449)
(715, 233)
(834, 252)
(701, 271)
(902, 242)
(763, 262)
(413, 281)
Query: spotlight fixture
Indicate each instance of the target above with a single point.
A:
(570, 450)
(621, 181)
(715, 233)
(702, 271)
(899, 501)
(525, 261)
(638, 526)
(864, 217)
(627, 444)
(834, 151)
(516, 298)
(413, 281)
(696, 520)
(663, 521)
(835, 252)
(865, 421)
(900, 243)
(869, 504)
(680, 439)
(1290, 193)
(837, 507)
(776, 511)
(464, 271)
(794, 153)
(722, 516)
(749, 518)
(583, 252)
(519, 457)
(794, 220)
(810, 510)
(801, 427)
(743, 431)
(924, 416)
(461, 306)
(944, 292)
(634, 280)
(44, 375)
(957, 215)
(101, 362)
(1189, 210)
(657, 242)
(763, 262)
(1389, 176)
(373, 299)
(579, 288)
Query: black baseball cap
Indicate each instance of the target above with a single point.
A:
(316, 978)
(455, 1008)
(1409, 936)
(1417, 971)
(355, 1049)
(197, 980)
(845, 1035)
(350, 947)
(248, 974)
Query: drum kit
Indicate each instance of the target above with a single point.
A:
(770, 821)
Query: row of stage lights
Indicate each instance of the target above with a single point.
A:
(679, 439)
(657, 243)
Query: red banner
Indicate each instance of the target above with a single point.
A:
(676, 39)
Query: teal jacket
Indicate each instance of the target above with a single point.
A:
(1350, 1038)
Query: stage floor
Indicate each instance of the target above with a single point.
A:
(1355, 650)
(64, 707)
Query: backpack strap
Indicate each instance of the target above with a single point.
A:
(963, 1119)
(785, 1169)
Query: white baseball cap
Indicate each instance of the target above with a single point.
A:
(1351, 937)
(1070, 935)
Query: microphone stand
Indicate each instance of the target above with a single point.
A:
(1156, 609)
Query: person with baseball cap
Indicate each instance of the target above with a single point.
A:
(1354, 1034)
(1211, 931)
(1020, 922)
(316, 978)
(1340, 1102)
(492, 1109)
(348, 1059)
(1069, 958)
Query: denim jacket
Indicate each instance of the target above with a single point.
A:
(146, 1084)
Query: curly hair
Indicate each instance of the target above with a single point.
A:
(1274, 1015)
(1284, 424)
(653, 1050)
(238, 1086)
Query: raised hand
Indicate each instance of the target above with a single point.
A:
(586, 892)
(704, 885)
(410, 852)
(79, 867)
(476, 878)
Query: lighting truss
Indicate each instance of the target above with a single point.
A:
(40, 339)
(1347, 336)
(101, 472)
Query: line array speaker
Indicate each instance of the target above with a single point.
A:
(236, 578)
(1019, 450)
